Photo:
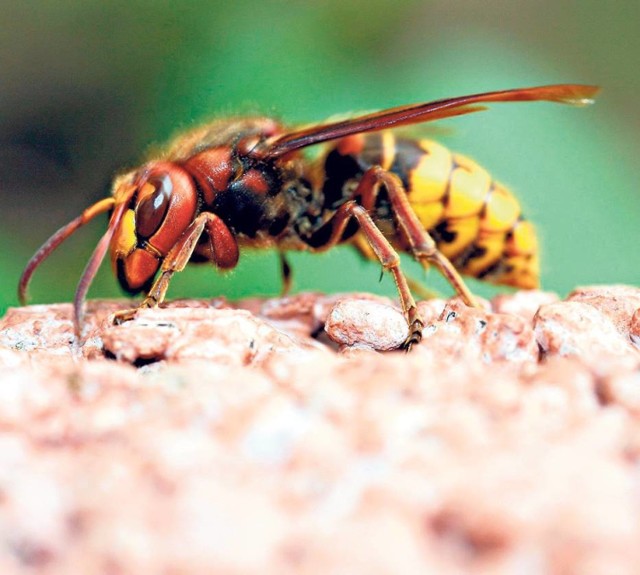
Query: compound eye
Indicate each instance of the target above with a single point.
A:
(153, 205)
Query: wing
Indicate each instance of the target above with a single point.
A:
(575, 94)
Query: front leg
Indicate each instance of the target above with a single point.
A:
(224, 254)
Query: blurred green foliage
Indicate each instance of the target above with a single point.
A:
(87, 86)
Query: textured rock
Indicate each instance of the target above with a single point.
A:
(349, 323)
(634, 329)
(465, 333)
(221, 335)
(47, 330)
(618, 302)
(213, 437)
(522, 303)
(576, 328)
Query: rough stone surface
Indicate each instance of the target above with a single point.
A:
(349, 323)
(224, 336)
(523, 303)
(576, 328)
(219, 437)
(618, 302)
(463, 333)
(634, 329)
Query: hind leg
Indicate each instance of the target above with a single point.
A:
(421, 245)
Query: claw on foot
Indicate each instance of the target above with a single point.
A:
(415, 335)
(125, 315)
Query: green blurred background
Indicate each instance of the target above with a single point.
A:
(87, 86)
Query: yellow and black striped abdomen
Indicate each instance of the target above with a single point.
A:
(476, 222)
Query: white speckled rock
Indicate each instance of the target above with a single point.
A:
(221, 335)
(576, 328)
(617, 302)
(366, 323)
(464, 332)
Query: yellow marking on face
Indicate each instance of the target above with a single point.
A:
(502, 210)
(429, 179)
(469, 186)
(124, 239)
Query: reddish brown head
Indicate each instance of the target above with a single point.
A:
(161, 208)
(151, 208)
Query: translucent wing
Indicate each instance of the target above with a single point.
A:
(575, 94)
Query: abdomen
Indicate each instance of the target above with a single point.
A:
(476, 221)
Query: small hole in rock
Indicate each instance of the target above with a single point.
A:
(138, 362)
